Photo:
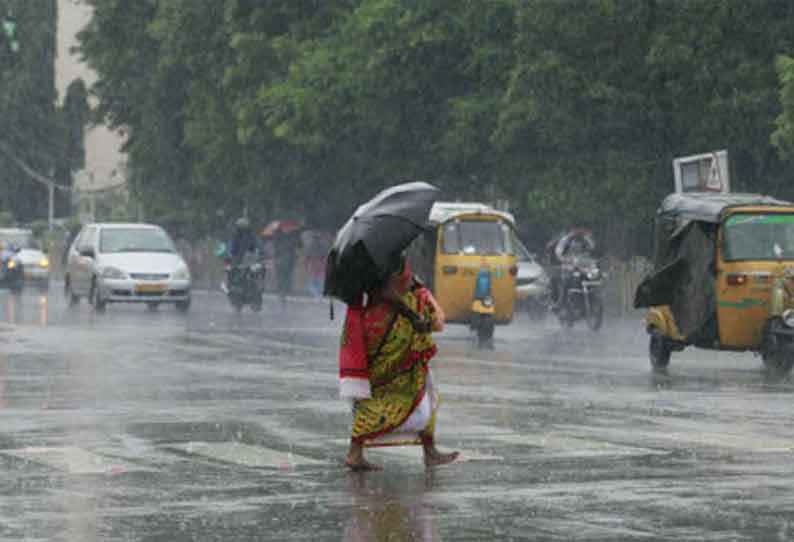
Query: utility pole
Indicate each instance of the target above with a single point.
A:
(51, 209)
(38, 177)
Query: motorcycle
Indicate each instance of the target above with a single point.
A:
(582, 280)
(245, 283)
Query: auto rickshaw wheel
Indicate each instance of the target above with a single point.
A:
(485, 329)
(780, 363)
(778, 357)
(659, 350)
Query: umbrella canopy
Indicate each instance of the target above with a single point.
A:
(367, 246)
(280, 226)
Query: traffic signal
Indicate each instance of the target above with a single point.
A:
(10, 30)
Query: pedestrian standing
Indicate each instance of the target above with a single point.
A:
(286, 248)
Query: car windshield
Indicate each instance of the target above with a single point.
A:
(759, 237)
(521, 252)
(476, 237)
(134, 240)
(18, 239)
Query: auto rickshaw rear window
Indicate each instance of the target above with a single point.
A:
(759, 237)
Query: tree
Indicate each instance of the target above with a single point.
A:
(28, 126)
(74, 117)
(572, 111)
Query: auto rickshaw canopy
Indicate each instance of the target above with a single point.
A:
(709, 206)
(445, 211)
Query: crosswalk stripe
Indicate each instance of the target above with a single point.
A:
(73, 460)
(244, 454)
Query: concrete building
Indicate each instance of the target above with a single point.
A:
(105, 164)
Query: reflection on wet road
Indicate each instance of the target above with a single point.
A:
(153, 425)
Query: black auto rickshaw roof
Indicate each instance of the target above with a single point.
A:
(710, 206)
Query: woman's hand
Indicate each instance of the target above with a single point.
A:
(438, 313)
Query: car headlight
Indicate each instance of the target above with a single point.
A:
(44, 262)
(593, 274)
(113, 273)
(788, 317)
(181, 274)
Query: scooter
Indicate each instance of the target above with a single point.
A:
(245, 284)
(483, 309)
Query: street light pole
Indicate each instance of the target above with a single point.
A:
(51, 210)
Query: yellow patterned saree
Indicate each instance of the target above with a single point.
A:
(403, 403)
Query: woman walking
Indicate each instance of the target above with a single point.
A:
(385, 371)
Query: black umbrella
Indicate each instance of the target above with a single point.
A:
(367, 246)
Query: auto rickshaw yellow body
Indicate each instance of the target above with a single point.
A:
(724, 277)
(469, 240)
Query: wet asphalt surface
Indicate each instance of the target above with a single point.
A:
(156, 426)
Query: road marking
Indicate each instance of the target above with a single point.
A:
(562, 445)
(73, 460)
(244, 454)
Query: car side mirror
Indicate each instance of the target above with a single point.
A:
(87, 252)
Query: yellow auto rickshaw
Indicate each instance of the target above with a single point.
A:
(468, 260)
(723, 278)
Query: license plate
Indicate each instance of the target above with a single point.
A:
(150, 288)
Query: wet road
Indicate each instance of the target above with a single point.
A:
(155, 426)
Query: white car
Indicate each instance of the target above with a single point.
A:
(126, 263)
(533, 285)
(35, 264)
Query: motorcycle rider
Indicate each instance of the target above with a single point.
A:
(243, 241)
(567, 249)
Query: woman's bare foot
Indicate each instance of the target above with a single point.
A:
(355, 459)
(434, 458)
(361, 465)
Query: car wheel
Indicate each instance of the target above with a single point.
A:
(96, 298)
(73, 298)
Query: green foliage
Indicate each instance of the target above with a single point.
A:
(571, 110)
(28, 122)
